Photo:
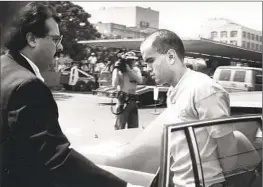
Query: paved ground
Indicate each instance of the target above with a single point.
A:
(83, 115)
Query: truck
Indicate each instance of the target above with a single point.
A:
(73, 78)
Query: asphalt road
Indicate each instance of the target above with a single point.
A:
(83, 116)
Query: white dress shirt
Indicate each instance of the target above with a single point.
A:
(34, 67)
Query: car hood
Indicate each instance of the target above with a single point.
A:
(134, 149)
(109, 146)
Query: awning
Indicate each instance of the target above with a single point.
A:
(194, 47)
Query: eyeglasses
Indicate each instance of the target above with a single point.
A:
(57, 39)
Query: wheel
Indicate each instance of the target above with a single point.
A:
(91, 86)
(67, 87)
(81, 86)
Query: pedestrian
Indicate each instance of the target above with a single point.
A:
(34, 150)
(125, 78)
(92, 60)
(192, 96)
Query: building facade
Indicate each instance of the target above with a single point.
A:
(113, 30)
(126, 22)
(225, 31)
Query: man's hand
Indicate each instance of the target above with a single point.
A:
(134, 74)
(128, 68)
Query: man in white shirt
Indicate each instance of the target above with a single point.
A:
(192, 96)
(92, 60)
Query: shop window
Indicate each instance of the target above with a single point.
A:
(244, 44)
(223, 34)
(252, 36)
(248, 35)
(213, 34)
(248, 45)
(244, 34)
(233, 42)
(233, 34)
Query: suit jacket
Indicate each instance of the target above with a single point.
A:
(34, 151)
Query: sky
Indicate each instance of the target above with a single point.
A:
(186, 18)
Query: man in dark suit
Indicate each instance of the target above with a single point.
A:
(34, 150)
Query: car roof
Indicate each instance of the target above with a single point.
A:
(239, 67)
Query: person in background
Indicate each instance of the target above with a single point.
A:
(125, 78)
(92, 60)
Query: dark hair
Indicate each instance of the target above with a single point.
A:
(31, 18)
(8, 10)
(164, 40)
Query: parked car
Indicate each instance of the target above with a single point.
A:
(77, 79)
(135, 155)
(236, 78)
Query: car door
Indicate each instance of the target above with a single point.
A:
(212, 153)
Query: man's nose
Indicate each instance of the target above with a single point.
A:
(59, 47)
(149, 67)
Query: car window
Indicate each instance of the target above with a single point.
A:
(180, 168)
(231, 153)
(239, 76)
(225, 75)
(82, 75)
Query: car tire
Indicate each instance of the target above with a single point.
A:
(81, 86)
(67, 87)
(91, 86)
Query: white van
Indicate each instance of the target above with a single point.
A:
(239, 78)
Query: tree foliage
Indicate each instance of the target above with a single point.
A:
(74, 27)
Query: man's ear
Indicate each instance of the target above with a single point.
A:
(31, 39)
(171, 56)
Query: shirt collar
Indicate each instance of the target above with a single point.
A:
(34, 67)
(174, 89)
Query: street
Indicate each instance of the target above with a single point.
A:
(83, 116)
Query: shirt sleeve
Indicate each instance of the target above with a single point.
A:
(215, 105)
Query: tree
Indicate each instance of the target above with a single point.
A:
(74, 26)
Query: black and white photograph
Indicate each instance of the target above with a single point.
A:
(131, 94)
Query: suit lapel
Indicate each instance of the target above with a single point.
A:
(20, 60)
